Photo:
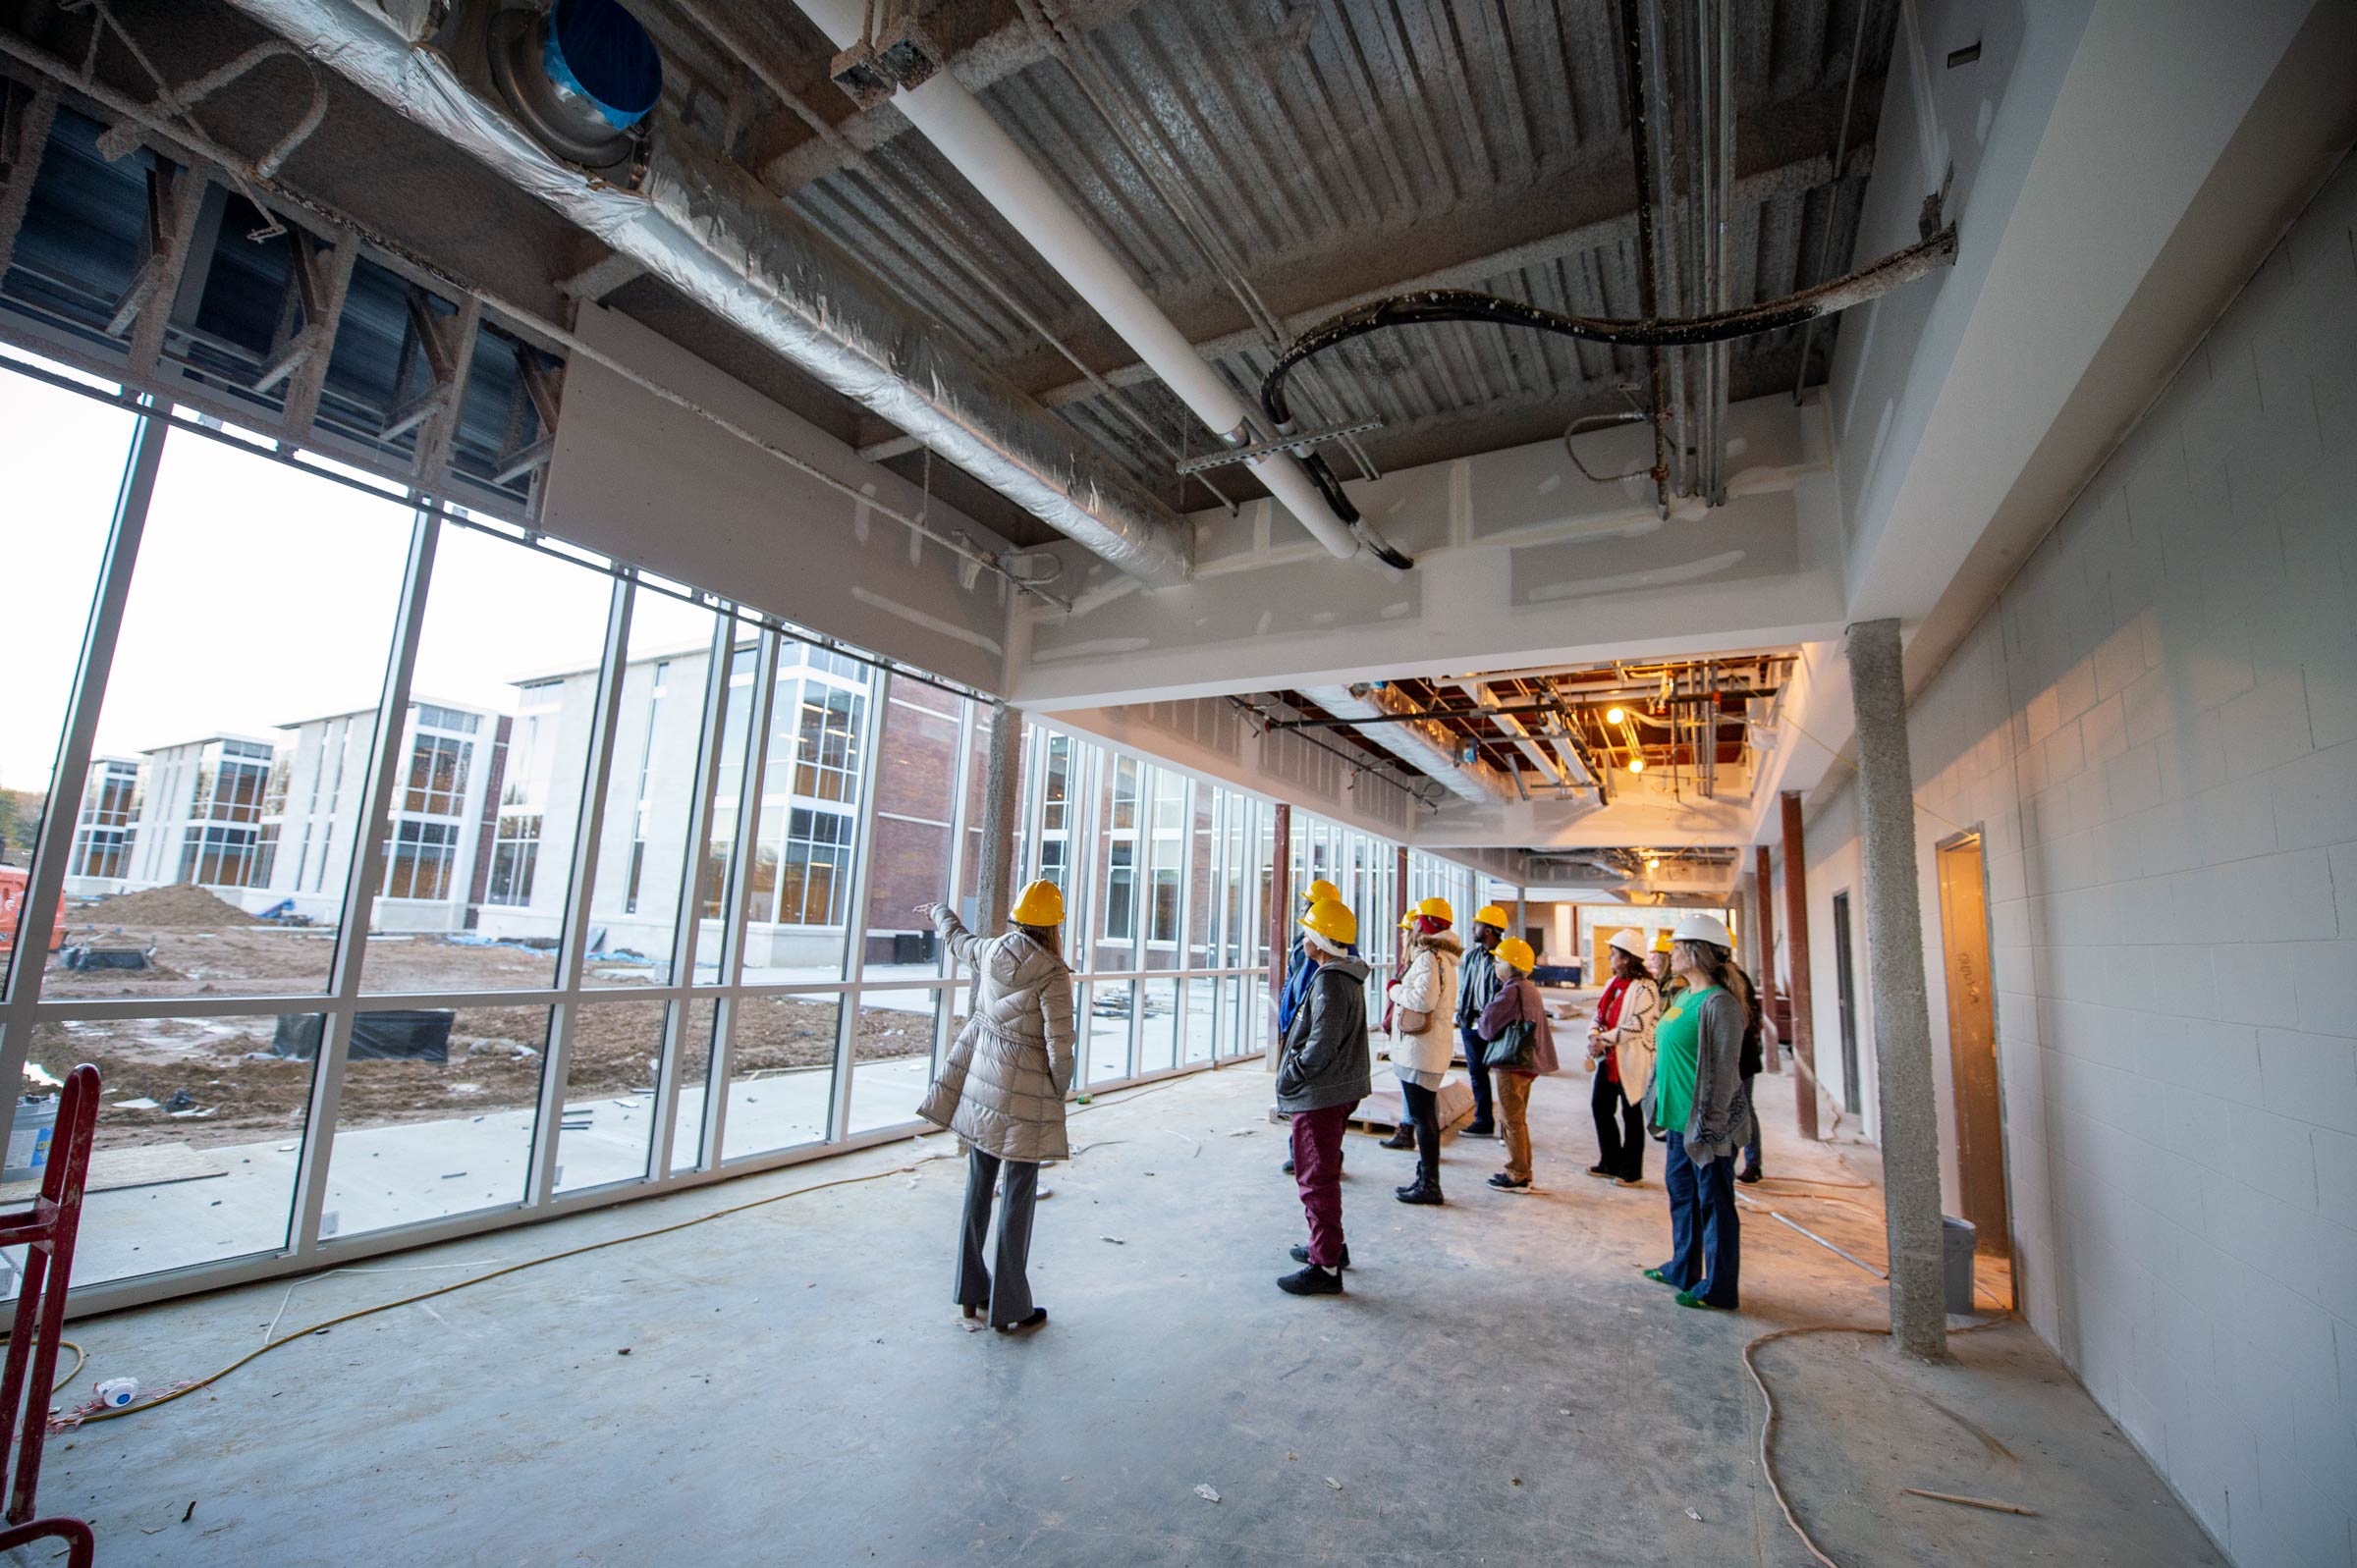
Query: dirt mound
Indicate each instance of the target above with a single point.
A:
(181, 906)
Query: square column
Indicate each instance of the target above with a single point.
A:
(994, 889)
(1902, 1019)
(1797, 944)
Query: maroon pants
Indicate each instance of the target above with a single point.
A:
(1318, 1170)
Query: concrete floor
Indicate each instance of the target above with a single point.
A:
(1501, 1385)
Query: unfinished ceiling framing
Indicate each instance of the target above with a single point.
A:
(1478, 148)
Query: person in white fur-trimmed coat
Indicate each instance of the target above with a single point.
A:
(1425, 993)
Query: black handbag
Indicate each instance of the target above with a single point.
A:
(1516, 1048)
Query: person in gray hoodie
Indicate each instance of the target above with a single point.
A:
(1323, 1071)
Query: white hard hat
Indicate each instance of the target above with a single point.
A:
(1631, 941)
(1702, 928)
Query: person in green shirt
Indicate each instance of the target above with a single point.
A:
(1699, 1103)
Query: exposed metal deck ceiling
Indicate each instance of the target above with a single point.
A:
(1338, 149)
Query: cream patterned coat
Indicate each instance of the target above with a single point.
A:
(1002, 1087)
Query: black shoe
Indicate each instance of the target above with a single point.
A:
(1289, 1167)
(1419, 1191)
(1312, 1281)
(1750, 1175)
(1508, 1183)
(1479, 1129)
(1038, 1316)
(1301, 1255)
(1403, 1138)
(1598, 1170)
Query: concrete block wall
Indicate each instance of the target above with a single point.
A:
(2156, 731)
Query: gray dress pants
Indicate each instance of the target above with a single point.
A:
(1001, 1285)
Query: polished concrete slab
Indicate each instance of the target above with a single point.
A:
(1499, 1386)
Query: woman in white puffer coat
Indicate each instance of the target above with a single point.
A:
(1426, 990)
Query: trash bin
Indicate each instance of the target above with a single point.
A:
(1957, 1238)
(28, 1137)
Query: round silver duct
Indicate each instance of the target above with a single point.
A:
(580, 75)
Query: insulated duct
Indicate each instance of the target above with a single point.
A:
(712, 231)
(955, 121)
(1426, 744)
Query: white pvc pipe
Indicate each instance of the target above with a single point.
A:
(962, 130)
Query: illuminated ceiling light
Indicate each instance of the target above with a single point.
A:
(1613, 716)
(1636, 765)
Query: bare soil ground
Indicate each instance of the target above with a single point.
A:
(496, 1054)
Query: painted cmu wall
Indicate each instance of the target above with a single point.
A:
(2156, 727)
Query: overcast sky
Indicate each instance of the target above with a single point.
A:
(263, 595)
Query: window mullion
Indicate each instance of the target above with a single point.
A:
(573, 935)
(733, 917)
(690, 921)
(855, 936)
(386, 760)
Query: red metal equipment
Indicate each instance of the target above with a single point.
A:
(46, 1232)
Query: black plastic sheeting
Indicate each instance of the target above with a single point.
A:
(404, 1035)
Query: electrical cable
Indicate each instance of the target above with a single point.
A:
(294, 1334)
(1767, 1453)
(1428, 306)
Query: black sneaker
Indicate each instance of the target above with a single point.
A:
(1748, 1176)
(1479, 1129)
(1419, 1192)
(1301, 1255)
(1598, 1170)
(1508, 1183)
(1289, 1167)
(1312, 1281)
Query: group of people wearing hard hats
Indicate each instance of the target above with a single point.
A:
(1674, 1050)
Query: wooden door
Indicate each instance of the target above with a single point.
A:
(1972, 1043)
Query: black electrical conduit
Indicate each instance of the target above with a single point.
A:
(1426, 306)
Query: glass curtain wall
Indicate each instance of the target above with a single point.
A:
(480, 877)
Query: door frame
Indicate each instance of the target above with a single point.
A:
(1977, 837)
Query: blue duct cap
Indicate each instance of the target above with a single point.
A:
(597, 49)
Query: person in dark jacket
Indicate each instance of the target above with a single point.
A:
(1323, 1071)
(1477, 985)
(1754, 1060)
(1300, 966)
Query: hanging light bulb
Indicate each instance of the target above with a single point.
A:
(1613, 716)
(1636, 765)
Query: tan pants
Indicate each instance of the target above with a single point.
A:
(1514, 1121)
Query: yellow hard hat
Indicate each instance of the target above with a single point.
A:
(1516, 952)
(1661, 944)
(1407, 920)
(1489, 914)
(1328, 918)
(1320, 892)
(1437, 909)
(1042, 905)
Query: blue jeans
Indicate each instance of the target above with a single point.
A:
(1479, 1074)
(1705, 1236)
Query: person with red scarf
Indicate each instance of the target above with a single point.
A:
(1621, 1055)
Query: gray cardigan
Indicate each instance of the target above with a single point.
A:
(1721, 1120)
(1324, 1059)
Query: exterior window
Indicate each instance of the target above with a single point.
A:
(1125, 796)
(1121, 891)
(223, 856)
(1051, 862)
(102, 839)
(1055, 791)
(418, 859)
(523, 798)
(815, 878)
(827, 765)
(437, 773)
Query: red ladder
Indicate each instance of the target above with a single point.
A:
(46, 1232)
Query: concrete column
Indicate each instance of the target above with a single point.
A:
(1280, 916)
(1002, 788)
(1521, 914)
(1797, 944)
(1762, 966)
(1902, 1019)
